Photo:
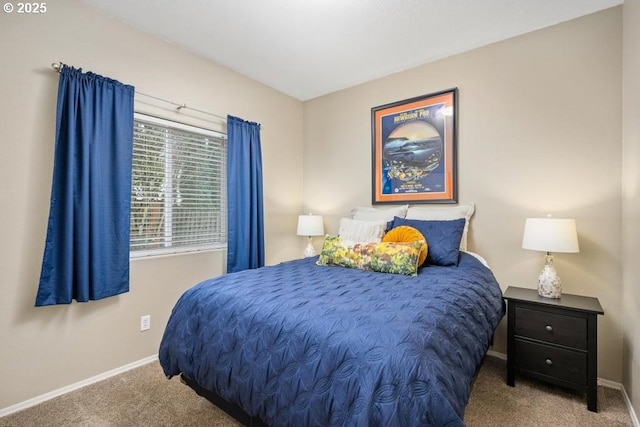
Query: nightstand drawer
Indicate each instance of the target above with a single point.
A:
(570, 331)
(551, 361)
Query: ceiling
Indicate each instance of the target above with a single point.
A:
(308, 48)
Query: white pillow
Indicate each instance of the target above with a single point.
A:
(445, 213)
(377, 214)
(358, 231)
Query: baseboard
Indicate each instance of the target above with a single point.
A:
(625, 396)
(496, 354)
(67, 389)
(632, 412)
(601, 381)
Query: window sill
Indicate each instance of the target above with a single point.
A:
(162, 253)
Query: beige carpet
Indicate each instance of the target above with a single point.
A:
(533, 403)
(143, 397)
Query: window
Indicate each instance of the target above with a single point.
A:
(178, 188)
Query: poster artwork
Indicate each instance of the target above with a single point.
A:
(414, 150)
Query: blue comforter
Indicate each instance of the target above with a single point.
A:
(298, 344)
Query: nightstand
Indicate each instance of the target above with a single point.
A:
(554, 340)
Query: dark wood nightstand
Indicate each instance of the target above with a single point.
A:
(554, 340)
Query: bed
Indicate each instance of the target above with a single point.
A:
(301, 344)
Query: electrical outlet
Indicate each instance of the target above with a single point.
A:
(145, 323)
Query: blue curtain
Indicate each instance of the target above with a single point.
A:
(86, 253)
(245, 234)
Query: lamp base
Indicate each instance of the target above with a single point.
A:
(549, 284)
(309, 251)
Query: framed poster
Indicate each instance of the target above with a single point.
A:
(414, 149)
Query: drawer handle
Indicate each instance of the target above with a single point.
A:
(548, 328)
(549, 362)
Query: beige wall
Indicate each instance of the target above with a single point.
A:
(631, 201)
(43, 349)
(539, 132)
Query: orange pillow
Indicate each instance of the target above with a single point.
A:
(406, 234)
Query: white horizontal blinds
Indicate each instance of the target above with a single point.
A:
(178, 197)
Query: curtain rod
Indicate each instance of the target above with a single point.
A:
(57, 66)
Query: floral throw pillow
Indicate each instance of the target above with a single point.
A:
(384, 257)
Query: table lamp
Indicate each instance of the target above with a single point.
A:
(550, 235)
(310, 225)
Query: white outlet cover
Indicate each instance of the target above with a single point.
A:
(145, 323)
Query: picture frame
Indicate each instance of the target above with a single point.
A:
(413, 149)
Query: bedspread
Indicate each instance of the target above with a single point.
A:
(297, 344)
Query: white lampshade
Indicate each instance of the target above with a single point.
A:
(550, 235)
(310, 225)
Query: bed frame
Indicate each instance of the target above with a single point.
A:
(230, 408)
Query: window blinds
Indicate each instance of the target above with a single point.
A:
(178, 194)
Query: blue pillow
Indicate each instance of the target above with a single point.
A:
(443, 238)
